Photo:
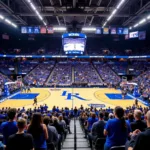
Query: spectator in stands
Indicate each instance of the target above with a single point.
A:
(59, 129)
(117, 130)
(111, 115)
(138, 124)
(130, 118)
(10, 127)
(90, 122)
(63, 123)
(58, 126)
(106, 116)
(141, 140)
(20, 140)
(53, 136)
(97, 129)
(66, 119)
(39, 132)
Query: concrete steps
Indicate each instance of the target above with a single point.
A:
(82, 143)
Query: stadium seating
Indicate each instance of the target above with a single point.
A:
(39, 75)
(61, 75)
(119, 67)
(25, 68)
(85, 73)
(107, 74)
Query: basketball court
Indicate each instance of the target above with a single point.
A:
(70, 97)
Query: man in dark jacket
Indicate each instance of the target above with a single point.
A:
(141, 140)
(97, 129)
(138, 124)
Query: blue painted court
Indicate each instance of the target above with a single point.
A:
(117, 96)
(25, 96)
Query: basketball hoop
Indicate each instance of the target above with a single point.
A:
(19, 84)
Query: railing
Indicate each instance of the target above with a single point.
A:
(75, 135)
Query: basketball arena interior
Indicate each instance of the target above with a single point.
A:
(74, 74)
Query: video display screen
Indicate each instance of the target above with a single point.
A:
(74, 45)
(134, 34)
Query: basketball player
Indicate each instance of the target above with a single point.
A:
(136, 102)
(28, 89)
(35, 101)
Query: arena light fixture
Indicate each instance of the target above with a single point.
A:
(104, 24)
(88, 29)
(7, 21)
(130, 28)
(36, 11)
(1, 17)
(136, 25)
(114, 11)
(144, 20)
(148, 17)
(59, 28)
(119, 5)
(109, 18)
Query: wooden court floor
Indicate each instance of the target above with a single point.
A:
(69, 97)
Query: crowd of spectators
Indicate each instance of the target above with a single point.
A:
(116, 127)
(61, 75)
(85, 73)
(120, 67)
(37, 128)
(41, 127)
(143, 82)
(12, 87)
(39, 75)
(109, 77)
(25, 68)
(138, 67)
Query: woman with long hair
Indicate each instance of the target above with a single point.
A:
(117, 130)
(39, 132)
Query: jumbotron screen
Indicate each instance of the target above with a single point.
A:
(74, 43)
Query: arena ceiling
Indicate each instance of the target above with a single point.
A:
(74, 13)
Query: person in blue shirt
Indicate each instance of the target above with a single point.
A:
(10, 127)
(39, 132)
(45, 107)
(117, 130)
(91, 120)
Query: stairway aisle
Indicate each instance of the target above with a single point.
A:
(69, 141)
(82, 143)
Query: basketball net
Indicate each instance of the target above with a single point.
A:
(19, 84)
